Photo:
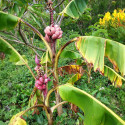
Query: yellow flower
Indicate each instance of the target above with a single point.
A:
(115, 13)
(101, 21)
(107, 16)
(116, 19)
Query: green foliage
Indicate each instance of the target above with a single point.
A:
(116, 34)
(21, 87)
(16, 83)
(79, 25)
(111, 26)
(65, 118)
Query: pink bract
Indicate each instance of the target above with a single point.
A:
(47, 38)
(53, 30)
(56, 26)
(41, 79)
(38, 82)
(45, 76)
(60, 36)
(43, 86)
(54, 36)
(38, 86)
(48, 30)
(46, 80)
(36, 60)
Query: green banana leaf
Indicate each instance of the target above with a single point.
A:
(113, 76)
(8, 21)
(95, 112)
(94, 49)
(17, 120)
(15, 57)
(75, 8)
(70, 54)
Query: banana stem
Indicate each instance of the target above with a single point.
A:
(58, 55)
(54, 107)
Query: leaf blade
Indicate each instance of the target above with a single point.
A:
(15, 57)
(8, 21)
(17, 120)
(90, 47)
(70, 54)
(116, 54)
(75, 8)
(90, 106)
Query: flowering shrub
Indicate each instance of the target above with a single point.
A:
(114, 24)
(115, 20)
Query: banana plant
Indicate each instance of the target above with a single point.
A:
(92, 49)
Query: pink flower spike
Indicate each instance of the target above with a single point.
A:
(53, 30)
(38, 82)
(36, 60)
(43, 86)
(46, 80)
(38, 86)
(41, 79)
(45, 76)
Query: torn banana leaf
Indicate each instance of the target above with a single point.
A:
(95, 49)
